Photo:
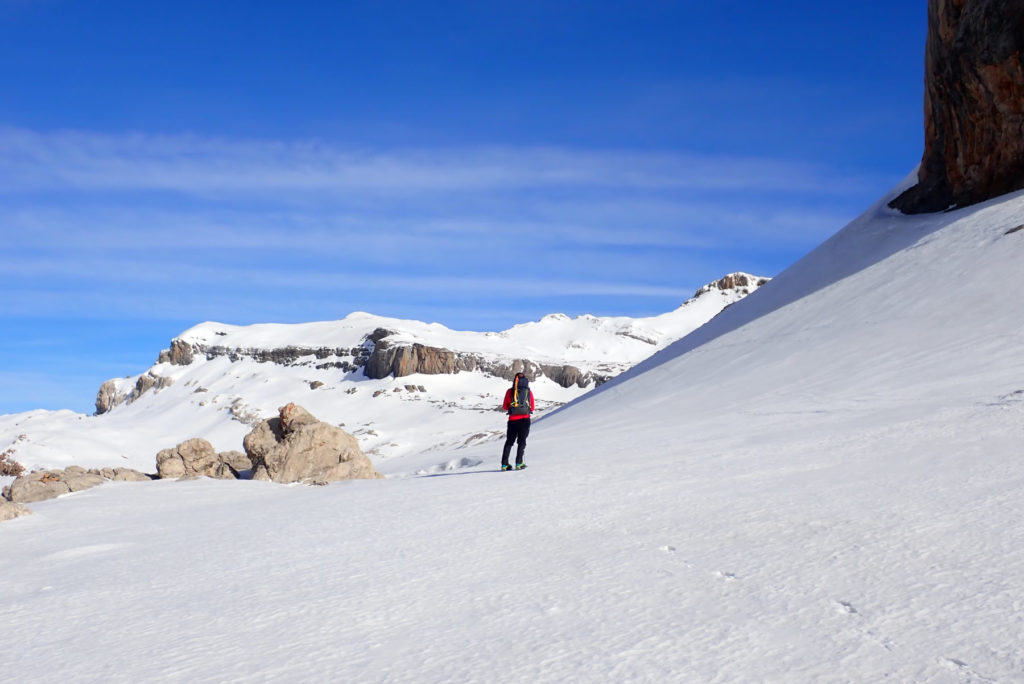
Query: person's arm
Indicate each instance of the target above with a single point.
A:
(505, 405)
(531, 401)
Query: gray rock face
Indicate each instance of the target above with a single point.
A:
(296, 447)
(10, 511)
(973, 105)
(192, 458)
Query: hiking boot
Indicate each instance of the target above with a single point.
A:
(520, 466)
(506, 466)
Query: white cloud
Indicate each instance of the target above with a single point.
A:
(32, 161)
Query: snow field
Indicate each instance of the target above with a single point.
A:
(822, 485)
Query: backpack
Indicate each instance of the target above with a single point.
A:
(519, 404)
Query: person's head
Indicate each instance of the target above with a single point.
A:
(521, 380)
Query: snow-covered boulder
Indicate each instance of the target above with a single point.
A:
(296, 447)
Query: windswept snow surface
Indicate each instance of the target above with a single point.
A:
(824, 485)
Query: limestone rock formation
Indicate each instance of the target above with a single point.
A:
(296, 447)
(236, 460)
(108, 397)
(973, 105)
(49, 484)
(401, 361)
(121, 474)
(180, 354)
(193, 458)
(111, 394)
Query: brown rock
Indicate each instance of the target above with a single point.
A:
(236, 459)
(129, 475)
(38, 486)
(108, 397)
(296, 447)
(78, 479)
(192, 458)
(180, 353)
(973, 105)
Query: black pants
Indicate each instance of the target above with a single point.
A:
(518, 430)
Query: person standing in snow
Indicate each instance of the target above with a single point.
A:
(519, 405)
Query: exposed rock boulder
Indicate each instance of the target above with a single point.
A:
(111, 393)
(236, 460)
(10, 510)
(109, 396)
(180, 354)
(193, 458)
(49, 484)
(973, 105)
(296, 447)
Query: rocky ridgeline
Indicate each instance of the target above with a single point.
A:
(292, 447)
(741, 282)
(378, 358)
(973, 105)
(381, 355)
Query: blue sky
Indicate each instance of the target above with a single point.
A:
(478, 164)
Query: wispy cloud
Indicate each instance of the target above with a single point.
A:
(31, 160)
(185, 227)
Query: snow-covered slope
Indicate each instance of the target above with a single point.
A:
(823, 485)
(217, 380)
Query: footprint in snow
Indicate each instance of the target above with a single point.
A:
(727, 576)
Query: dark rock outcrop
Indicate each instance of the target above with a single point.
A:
(400, 361)
(973, 105)
(180, 354)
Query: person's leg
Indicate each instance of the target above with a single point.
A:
(510, 437)
(524, 432)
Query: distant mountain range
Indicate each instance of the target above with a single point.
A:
(402, 387)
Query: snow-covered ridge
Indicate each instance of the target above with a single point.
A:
(400, 386)
(555, 339)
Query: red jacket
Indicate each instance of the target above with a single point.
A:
(507, 404)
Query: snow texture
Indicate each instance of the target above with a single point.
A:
(824, 484)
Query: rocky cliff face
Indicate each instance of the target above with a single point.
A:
(378, 357)
(973, 107)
